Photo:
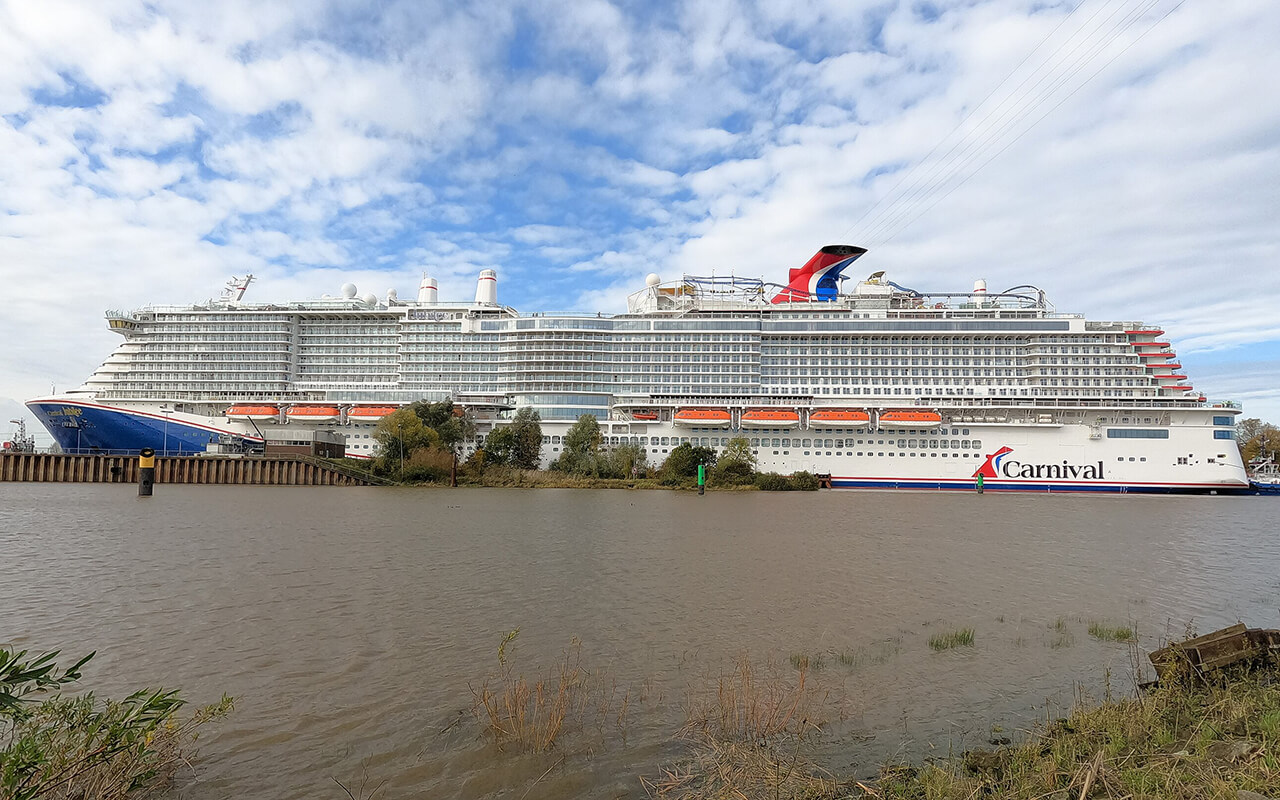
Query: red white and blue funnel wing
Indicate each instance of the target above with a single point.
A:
(818, 280)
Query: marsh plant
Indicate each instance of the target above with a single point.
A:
(1111, 633)
(952, 639)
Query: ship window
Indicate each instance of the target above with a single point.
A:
(964, 432)
(1131, 458)
(806, 452)
(1223, 421)
(977, 444)
(965, 444)
(807, 443)
(1144, 458)
(1121, 458)
(1224, 434)
(786, 442)
(1141, 433)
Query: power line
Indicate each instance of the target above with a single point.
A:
(1022, 107)
(1037, 121)
(967, 117)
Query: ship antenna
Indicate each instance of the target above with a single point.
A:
(236, 288)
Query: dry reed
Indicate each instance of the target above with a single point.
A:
(534, 713)
(746, 706)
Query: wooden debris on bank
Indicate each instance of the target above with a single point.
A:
(1213, 651)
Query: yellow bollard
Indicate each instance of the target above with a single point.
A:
(146, 471)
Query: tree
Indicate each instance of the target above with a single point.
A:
(623, 461)
(581, 448)
(527, 446)
(684, 459)
(737, 462)
(1257, 439)
(500, 446)
(399, 434)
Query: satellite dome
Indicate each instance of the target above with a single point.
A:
(348, 290)
(391, 294)
(370, 299)
(652, 279)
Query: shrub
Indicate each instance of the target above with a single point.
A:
(82, 747)
(773, 482)
(804, 481)
(428, 465)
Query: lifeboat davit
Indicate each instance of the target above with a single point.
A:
(910, 419)
(253, 412)
(703, 417)
(770, 418)
(838, 418)
(370, 412)
(313, 414)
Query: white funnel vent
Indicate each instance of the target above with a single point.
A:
(487, 288)
(427, 290)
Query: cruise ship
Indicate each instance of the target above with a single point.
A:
(874, 384)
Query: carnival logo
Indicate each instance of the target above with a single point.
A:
(997, 466)
(991, 468)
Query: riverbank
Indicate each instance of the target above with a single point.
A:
(512, 478)
(1220, 739)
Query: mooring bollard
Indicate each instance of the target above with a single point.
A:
(978, 484)
(146, 471)
(702, 479)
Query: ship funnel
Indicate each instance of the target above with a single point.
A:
(979, 293)
(428, 292)
(818, 279)
(487, 288)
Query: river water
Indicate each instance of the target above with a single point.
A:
(355, 626)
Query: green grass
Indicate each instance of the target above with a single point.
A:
(1107, 633)
(952, 639)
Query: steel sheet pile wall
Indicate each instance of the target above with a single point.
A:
(269, 471)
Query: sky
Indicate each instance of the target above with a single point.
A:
(1123, 155)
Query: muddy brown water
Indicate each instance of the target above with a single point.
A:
(354, 625)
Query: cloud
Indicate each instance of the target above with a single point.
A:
(151, 149)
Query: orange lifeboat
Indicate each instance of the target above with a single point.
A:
(703, 417)
(910, 419)
(370, 412)
(838, 418)
(770, 418)
(314, 413)
(253, 412)
(645, 416)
